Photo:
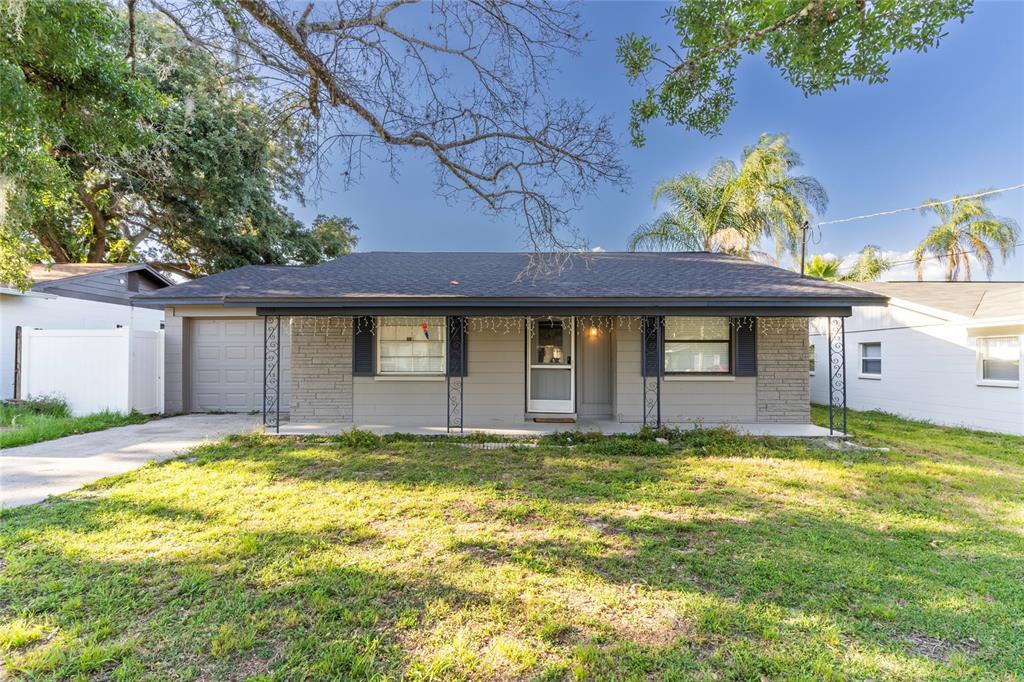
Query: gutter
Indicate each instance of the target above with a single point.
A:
(554, 302)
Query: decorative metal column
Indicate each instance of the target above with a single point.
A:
(836, 371)
(650, 363)
(456, 376)
(272, 372)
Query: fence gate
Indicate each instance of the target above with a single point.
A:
(95, 369)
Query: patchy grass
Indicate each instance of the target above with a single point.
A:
(33, 421)
(360, 558)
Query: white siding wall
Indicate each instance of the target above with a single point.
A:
(929, 371)
(61, 313)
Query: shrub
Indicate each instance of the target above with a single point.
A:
(49, 405)
(357, 438)
(572, 438)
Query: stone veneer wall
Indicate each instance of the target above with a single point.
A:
(321, 370)
(783, 379)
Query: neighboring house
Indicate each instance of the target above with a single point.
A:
(946, 352)
(75, 296)
(484, 340)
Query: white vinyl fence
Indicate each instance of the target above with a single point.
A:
(95, 369)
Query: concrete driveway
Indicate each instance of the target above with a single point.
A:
(31, 473)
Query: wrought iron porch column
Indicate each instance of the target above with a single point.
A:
(651, 329)
(272, 372)
(455, 376)
(836, 371)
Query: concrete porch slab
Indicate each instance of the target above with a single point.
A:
(534, 429)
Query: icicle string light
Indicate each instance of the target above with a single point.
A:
(328, 326)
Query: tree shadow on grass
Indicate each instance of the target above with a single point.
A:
(289, 603)
(882, 589)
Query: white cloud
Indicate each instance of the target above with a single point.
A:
(598, 249)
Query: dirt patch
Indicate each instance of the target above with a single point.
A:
(938, 649)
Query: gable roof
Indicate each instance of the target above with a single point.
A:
(976, 300)
(45, 276)
(485, 278)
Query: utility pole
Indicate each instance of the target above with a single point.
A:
(803, 246)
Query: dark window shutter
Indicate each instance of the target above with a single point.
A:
(651, 361)
(745, 344)
(458, 347)
(363, 346)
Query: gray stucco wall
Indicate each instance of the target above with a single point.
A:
(783, 379)
(174, 362)
(683, 401)
(321, 379)
(324, 390)
(495, 389)
(493, 393)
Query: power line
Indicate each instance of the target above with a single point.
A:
(942, 256)
(919, 207)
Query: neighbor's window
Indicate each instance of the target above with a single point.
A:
(697, 345)
(810, 357)
(871, 359)
(999, 359)
(410, 345)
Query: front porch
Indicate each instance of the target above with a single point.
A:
(535, 429)
(609, 373)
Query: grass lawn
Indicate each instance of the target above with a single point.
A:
(714, 557)
(35, 421)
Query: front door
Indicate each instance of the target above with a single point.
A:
(550, 366)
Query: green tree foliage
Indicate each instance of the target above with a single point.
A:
(966, 227)
(822, 268)
(869, 265)
(817, 45)
(733, 207)
(165, 155)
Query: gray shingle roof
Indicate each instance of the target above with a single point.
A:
(978, 300)
(396, 275)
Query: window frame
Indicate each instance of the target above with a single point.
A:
(380, 322)
(980, 362)
(870, 375)
(729, 352)
(812, 361)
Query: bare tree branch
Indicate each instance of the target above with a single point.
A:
(460, 80)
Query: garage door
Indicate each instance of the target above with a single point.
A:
(226, 365)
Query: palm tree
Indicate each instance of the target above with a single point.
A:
(869, 266)
(707, 214)
(731, 209)
(784, 202)
(823, 268)
(966, 226)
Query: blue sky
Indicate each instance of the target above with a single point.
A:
(948, 121)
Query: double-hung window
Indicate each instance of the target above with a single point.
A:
(999, 360)
(697, 345)
(410, 345)
(871, 360)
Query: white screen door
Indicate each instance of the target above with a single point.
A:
(550, 366)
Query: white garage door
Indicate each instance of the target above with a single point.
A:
(226, 365)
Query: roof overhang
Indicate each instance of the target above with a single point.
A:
(563, 306)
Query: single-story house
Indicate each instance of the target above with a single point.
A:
(498, 341)
(946, 352)
(75, 296)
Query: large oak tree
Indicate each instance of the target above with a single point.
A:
(120, 139)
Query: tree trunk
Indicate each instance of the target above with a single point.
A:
(98, 248)
(52, 244)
